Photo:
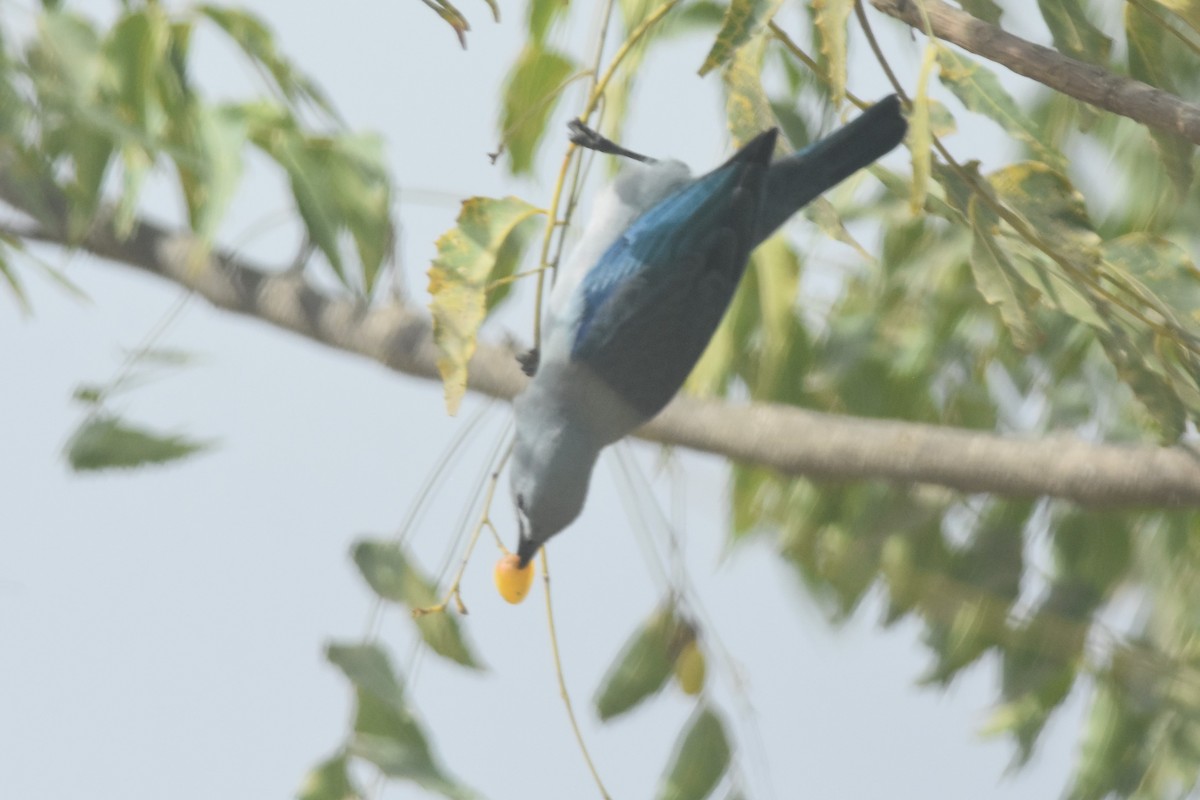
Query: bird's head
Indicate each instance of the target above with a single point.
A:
(548, 477)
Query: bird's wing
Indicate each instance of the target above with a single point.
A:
(653, 301)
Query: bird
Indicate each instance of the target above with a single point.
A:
(642, 293)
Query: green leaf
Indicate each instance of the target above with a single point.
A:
(980, 91)
(531, 92)
(542, 16)
(368, 667)
(1146, 63)
(329, 780)
(743, 19)
(393, 741)
(831, 18)
(1155, 391)
(360, 184)
(209, 175)
(65, 60)
(1074, 34)
(385, 731)
(643, 666)
(701, 757)
(920, 133)
(825, 216)
(1048, 202)
(509, 257)
(1163, 267)
(392, 575)
(104, 442)
(1117, 734)
(1187, 10)
(339, 184)
(985, 10)
(747, 110)
(136, 51)
(996, 278)
(254, 37)
(468, 256)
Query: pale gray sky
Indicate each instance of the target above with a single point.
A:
(162, 630)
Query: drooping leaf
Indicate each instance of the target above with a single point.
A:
(359, 182)
(532, 91)
(743, 19)
(747, 109)
(510, 256)
(329, 780)
(368, 667)
(106, 442)
(980, 90)
(1146, 42)
(542, 16)
(1113, 756)
(831, 18)
(643, 665)
(825, 216)
(458, 278)
(339, 184)
(136, 51)
(1052, 206)
(997, 279)
(256, 40)
(1152, 388)
(214, 138)
(1074, 34)
(1186, 10)
(985, 10)
(385, 731)
(701, 757)
(920, 134)
(392, 575)
(1163, 267)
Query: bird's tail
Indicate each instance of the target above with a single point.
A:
(796, 180)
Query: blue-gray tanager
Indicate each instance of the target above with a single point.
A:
(641, 295)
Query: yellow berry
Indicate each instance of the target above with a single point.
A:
(690, 668)
(512, 581)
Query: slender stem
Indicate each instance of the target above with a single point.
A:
(865, 23)
(485, 521)
(562, 681)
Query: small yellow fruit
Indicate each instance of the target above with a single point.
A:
(512, 581)
(690, 668)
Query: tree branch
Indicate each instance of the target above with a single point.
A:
(1087, 82)
(790, 440)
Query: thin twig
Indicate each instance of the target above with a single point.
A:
(485, 521)
(562, 681)
(1087, 82)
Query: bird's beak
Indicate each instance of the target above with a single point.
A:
(527, 548)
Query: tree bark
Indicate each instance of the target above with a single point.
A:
(1087, 82)
(790, 440)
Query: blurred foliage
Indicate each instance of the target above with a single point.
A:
(1054, 290)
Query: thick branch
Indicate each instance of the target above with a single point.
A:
(1087, 82)
(784, 438)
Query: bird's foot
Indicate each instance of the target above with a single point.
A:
(529, 361)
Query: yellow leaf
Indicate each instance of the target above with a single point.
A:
(458, 279)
